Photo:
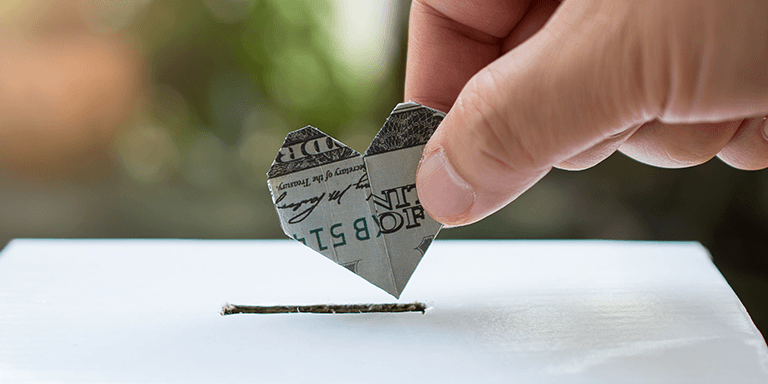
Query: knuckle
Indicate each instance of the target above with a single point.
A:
(682, 157)
(743, 161)
(748, 149)
(680, 146)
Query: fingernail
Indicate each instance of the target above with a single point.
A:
(765, 129)
(442, 192)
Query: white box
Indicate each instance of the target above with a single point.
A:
(147, 311)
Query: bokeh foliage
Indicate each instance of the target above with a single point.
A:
(228, 79)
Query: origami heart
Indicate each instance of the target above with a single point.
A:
(361, 211)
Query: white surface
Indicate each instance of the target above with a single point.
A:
(501, 311)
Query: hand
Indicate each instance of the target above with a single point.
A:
(533, 85)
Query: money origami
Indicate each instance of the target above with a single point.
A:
(361, 211)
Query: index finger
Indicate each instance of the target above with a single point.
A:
(450, 41)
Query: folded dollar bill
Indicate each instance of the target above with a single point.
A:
(361, 211)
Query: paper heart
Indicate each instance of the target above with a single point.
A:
(361, 211)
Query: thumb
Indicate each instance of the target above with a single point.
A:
(572, 85)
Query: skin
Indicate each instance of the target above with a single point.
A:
(530, 85)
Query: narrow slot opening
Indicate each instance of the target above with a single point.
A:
(232, 309)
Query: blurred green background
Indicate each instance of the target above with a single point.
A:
(225, 80)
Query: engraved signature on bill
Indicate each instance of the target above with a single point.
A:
(306, 206)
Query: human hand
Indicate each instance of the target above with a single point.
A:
(535, 84)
